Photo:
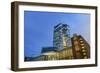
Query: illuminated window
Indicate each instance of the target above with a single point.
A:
(83, 47)
(83, 50)
(85, 57)
(81, 41)
(84, 53)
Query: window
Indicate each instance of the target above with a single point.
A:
(84, 53)
(81, 41)
(83, 47)
(85, 57)
(83, 50)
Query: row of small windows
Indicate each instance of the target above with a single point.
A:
(83, 49)
(82, 45)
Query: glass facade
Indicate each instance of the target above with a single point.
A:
(61, 36)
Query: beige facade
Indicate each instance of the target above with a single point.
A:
(80, 47)
(58, 55)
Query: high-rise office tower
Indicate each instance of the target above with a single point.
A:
(61, 38)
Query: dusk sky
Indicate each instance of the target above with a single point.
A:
(38, 29)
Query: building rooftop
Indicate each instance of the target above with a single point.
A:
(48, 49)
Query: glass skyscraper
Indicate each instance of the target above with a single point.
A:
(61, 37)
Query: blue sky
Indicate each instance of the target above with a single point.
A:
(38, 28)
